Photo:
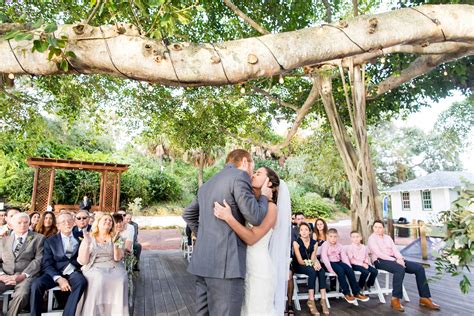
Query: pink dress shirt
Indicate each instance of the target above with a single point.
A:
(383, 248)
(333, 253)
(358, 254)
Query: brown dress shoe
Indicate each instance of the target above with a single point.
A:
(361, 297)
(350, 299)
(428, 303)
(396, 305)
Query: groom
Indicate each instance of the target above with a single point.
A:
(219, 256)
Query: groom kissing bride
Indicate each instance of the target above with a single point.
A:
(241, 256)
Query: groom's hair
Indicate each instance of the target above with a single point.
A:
(237, 155)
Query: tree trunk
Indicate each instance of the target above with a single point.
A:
(355, 154)
(121, 51)
(201, 163)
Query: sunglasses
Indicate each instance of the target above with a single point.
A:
(81, 218)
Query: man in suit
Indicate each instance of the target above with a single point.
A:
(6, 229)
(60, 268)
(20, 261)
(82, 223)
(85, 204)
(219, 256)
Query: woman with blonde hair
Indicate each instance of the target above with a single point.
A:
(47, 224)
(101, 254)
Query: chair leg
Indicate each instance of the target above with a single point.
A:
(379, 291)
(405, 294)
(296, 300)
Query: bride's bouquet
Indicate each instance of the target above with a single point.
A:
(308, 262)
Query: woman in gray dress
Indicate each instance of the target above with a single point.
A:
(101, 254)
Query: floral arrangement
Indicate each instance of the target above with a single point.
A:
(308, 262)
(458, 252)
(119, 242)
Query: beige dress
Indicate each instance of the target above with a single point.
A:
(107, 283)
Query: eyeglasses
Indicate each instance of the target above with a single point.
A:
(81, 218)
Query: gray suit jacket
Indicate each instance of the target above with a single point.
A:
(219, 252)
(29, 258)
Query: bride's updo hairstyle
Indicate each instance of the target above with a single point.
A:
(273, 177)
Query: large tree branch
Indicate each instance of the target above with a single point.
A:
(274, 99)
(244, 17)
(420, 66)
(419, 49)
(125, 53)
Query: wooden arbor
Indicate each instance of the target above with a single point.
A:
(43, 183)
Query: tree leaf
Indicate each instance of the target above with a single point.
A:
(37, 24)
(40, 46)
(51, 27)
(64, 65)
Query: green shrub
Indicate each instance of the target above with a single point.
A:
(312, 205)
(164, 187)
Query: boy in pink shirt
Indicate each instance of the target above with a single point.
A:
(358, 255)
(336, 261)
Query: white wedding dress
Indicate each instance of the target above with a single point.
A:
(260, 279)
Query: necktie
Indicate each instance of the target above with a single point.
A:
(18, 246)
(68, 251)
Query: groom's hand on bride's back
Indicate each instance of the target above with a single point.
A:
(266, 190)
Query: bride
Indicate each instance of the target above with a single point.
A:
(268, 247)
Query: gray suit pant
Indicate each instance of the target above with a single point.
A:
(20, 296)
(219, 297)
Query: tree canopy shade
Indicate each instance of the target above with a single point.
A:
(446, 32)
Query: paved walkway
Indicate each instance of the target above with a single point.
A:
(164, 239)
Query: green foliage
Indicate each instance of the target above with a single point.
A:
(164, 187)
(456, 257)
(312, 205)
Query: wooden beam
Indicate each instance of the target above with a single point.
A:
(51, 186)
(35, 188)
(74, 164)
(118, 192)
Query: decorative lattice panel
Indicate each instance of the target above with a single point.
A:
(42, 189)
(109, 197)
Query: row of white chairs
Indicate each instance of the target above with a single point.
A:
(299, 279)
(52, 302)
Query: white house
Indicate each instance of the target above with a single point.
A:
(424, 197)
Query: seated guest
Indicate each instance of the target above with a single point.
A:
(47, 224)
(137, 247)
(101, 254)
(34, 219)
(82, 223)
(6, 229)
(336, 261)
(358, 255)
(92, 218)
(60, 268)
(386, 256)
(126, 235)
(3, 215)
(320, 232)
(20, 261)
(305, 262)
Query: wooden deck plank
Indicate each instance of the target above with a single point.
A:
(164, 279)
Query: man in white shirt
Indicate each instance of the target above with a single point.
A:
(20, 261)
(60, 268)
(6, 229)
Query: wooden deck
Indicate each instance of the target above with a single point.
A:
(165, 288)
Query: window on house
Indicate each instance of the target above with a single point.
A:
(406, 201)
(426, 200)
